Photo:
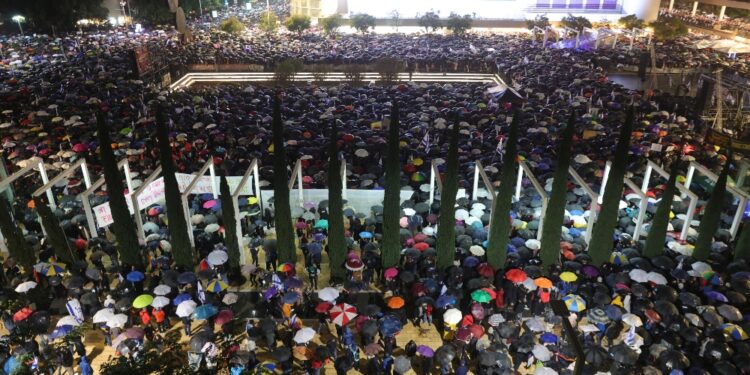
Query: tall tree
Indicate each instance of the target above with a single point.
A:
(497, 249)
(283, 212)
(712, 213)
(230, 222)
(128, 248)
(55, 234)
(600, 246)
(392, 195)
(446, 237)
(17, 246)
(182, 251)
(48, 15)
(658, 231)
(555, 213)
(742, 246)
(336, 240)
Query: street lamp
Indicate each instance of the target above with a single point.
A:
(18, 20)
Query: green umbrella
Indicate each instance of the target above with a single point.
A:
(480, 296)
(126, 131)
(142, 301)
(321, 224)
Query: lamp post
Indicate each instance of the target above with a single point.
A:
(200, 7)
(19, 19)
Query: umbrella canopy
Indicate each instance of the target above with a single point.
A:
(160, 301)
(452, 316)
(342, 313)
(204, 312)
(217, 257)
(186, 308)
(328, 294)
(223, 317)
(574, 303)
(162, 290)
(142, 301)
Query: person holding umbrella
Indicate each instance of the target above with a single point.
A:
(162, 322)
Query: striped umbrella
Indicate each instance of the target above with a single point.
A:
(54, 269)
(342, 313)
(735, 331)
(216, 286)
(574, 303)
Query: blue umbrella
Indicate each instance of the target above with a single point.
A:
(186, 278)
(471, 262)
(268, 294)
(389, 325)
(290, 297)
(365, 234)
(548, 337)
(445, 300)
(315, 248)
(181, 298)
(135, 276)
(61, 331)
(613, 312)
(204, 312)
(431, 284)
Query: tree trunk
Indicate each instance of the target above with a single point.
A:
(128, 248)
(17, 246)
(285, 240)
(446, 237)
(55, 234)
(336, 240)
(497, 249)
(712, 214)
(230, 223)
(392, 194)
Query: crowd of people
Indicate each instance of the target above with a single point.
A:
(709, 20)
(670, 314)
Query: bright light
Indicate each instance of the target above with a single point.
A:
(138, 27)
(249, 6)
(83, 22)
(214, 14)
(19, 19)
(121, 20)
(113, 21)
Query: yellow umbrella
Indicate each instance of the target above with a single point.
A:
(142, 301)
(568, 277)
(252, 200)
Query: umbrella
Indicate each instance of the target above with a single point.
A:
(217, 257)
(56, 269)
(25, 286)
(67, 320)
(135, 276)
(23, 314)
(204, 312)
(574, 303)
(199, 340)
(216, 286)
(596, 356)
(223, 317)
(142, 301)
(445, 300)
(671, 359)
(730, 312)
(103, 315)
(632, 320)
(281, 354)
(186, 308)
(230, 299)
(568, 277)
(372, 349)
(60, 331)
(425, 351)
(622, 353)
(302, 353)
(541, 353)
(323, 307)
(186, 278)
(181, 298)
(342, 313)
(328, 294)
(445, 354)
(495, 319)
(395, 302)
(735, 331)
(516, 275)
(548, 337)
(160, 301)
(162, 290)
(452, 316)
(117, 321)
(390, 273)
(390, 325)
(354, 264)
(290, 298)
(543, 282)
(402, 364)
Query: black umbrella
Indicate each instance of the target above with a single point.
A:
(74, 282)
(665, 293)
(402, 364)
(597, 357)
(445, 354)
(186, 278)
(406, 276)
(666, 309)
(93, 274)
(508, 330)
(198, 340)
(281, 354)
(489, 359)
(673, 360)
(124, 303)
(89, 299)
(267, 325)
(689, 299)
(370, 327)
(623, 354)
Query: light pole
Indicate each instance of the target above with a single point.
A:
(18, 20)
(200, 6)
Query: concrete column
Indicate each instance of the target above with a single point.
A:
(721, 12)
(671, 5)
(647, 10)
(695, 8)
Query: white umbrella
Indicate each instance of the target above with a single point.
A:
(496, 319)
(541, 353)
(588, 328)
(529, 284)
(657, 278)
(361, 153)
(197, 219)
(160, 301)
(25, 286)
(535, 324)
(409, 211)
(229, 299)
(632, 320)
(638, 275)
(117, 321)
(217, 257)
(162, 290)
(701, 267)
(476, 250)
(452, 316)
(185, 308)
(582, 159)
(461, 214)
(304, 335)
(533, 244)
(478, 206)
(211, 228)
(68, 321)
(544, 371)
(103, 315)
(328, 294)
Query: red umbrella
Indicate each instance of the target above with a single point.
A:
(342, 313)
(491, 292)
(476, 330)
(422, 246)
(485, 270)
(418, 290)
(224, 316)
(22, 314)
(420, 237)
(477, 311)
(515, 275)
(323, 307)
(463, 334)
(80, 147)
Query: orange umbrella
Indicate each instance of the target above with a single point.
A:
(302, 353)
(543, 282)
(395, 302)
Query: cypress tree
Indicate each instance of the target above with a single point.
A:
(17, 246)
(336, 240)
(712, 214)
(600, 246)
(55, 234)
(497, 249)
(283, 213)
(230, 222)
(128, 248)
(555, 213)
(392, 195)
(446, 237)
(659, 225)
(742, 246)
(182, 251)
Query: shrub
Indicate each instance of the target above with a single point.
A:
(232, 25)
(430, 20)
(297, 23)
(363, 22)
(331, 24)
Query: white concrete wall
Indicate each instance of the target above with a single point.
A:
(647, 10)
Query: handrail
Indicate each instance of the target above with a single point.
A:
(84, 197)
(739, 194)
(642, 206)
(136, 207)
(594, 201)
(72, 169)
(684, 189)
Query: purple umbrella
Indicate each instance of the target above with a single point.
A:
(268, 294)
(716, 296)
(471, 262)
(590, 271)
(425, 351)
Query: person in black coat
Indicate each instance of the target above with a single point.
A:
(374, 366)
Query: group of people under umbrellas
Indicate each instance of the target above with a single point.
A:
(663, 315)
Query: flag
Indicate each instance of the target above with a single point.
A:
(75, 310)
(201, 292)
(630, 337)
(499, 148)
(426, 142)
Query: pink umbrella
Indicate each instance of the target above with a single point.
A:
(403, 222)
(209, 204)
(390, 273)
(224, 316)
(80, 147)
